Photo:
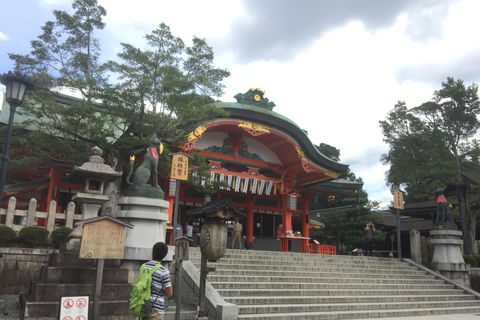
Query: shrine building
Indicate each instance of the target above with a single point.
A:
(269, 165)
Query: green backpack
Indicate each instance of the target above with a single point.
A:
(140, 305)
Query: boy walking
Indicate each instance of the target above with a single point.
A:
(161, 286)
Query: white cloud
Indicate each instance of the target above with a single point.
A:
(3, 37)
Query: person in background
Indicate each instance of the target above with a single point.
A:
(189, 231)
(237, 234)
(368, 237)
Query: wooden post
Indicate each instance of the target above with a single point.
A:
(98, 290)
(399, 244)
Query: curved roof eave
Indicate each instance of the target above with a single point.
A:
(273, 119)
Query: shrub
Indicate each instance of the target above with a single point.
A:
(59, 236)
(477, 258)
(470, 260)
(7, 236)
(33, 237)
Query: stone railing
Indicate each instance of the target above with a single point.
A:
(31, 214)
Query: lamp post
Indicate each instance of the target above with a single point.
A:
(16, 87)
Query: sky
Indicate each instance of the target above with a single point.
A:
(334, 67)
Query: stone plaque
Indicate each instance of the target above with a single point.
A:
(103, 239)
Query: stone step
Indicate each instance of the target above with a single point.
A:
(367, 314)
(302, 261)
(350, 273)
(347, 299)
(72, 260)
(332, 285)
(84, 276)
(310, 267)
(39, 309)
(231, 276)
(288, 308)
(41, 291)
(330, 292)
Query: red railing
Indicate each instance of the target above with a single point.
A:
(322, 249)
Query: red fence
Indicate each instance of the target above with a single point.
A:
(322, 249)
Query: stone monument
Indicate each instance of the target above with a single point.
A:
(144, 206)
(446, 242)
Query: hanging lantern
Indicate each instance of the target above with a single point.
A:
(292, 201)
(331, 198)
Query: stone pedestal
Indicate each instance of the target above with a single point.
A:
(149, 218)
(447, 256)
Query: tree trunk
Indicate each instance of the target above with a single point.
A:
(467, 221)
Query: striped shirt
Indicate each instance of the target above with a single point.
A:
(160, 280)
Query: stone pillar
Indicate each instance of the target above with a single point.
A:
(415, 247)
(447, 256)
(149, 218)
(425, 249)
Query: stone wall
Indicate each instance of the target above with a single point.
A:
(19, 266)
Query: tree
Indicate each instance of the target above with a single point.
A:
(431, 145)
(65, 57)
(163, 90)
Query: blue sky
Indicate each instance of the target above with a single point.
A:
(334, 67)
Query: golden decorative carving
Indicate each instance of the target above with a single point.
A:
(253, 128)
(301, 154)
(196, 133)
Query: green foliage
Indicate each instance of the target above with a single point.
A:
(431, 146)
(200, 177)
(59, 236)
(477, 259)
(344, 228)
(33, 237)
(329, 151)
(470, 260)
(7, 236)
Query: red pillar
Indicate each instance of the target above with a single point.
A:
(249, 224)
(305, 224)
(286, 215)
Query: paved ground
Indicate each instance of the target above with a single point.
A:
(12, 312)
(437, 317)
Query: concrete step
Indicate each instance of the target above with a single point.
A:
(311, 286)
(230, 276)
(286, 308)
(322, 274)
(248, 301)
(42, 291)
(329, 292)
(315, 266)
(367, 314)
(72, 260)
(37, 310)
(83, 276)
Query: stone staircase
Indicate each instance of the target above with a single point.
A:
(276, 285)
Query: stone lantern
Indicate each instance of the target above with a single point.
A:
(95, 174)
(213, 238)
(213, 234)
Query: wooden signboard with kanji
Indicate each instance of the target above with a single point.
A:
(103, 239)
(398, 199)
(179, 167)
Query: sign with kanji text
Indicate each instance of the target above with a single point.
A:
(398, 199)
(74, 308)
(179, 167)
(103, 238)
